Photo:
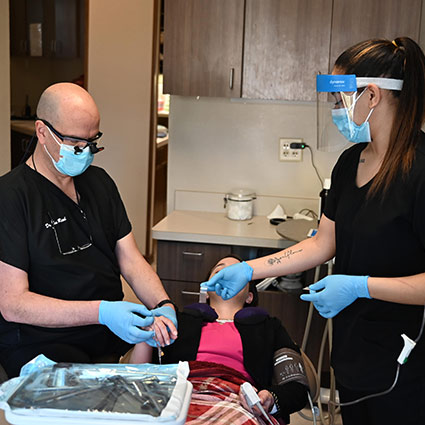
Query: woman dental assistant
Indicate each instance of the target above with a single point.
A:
(374, 225)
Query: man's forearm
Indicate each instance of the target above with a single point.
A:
(145, 283)
(39, 310)
(138, 272)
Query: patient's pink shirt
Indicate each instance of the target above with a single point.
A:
(221, 343)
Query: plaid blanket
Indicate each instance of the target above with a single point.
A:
(215, 397)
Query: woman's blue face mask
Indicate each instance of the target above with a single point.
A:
(348, 128)
(71, 163)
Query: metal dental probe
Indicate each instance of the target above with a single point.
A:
(159, 351)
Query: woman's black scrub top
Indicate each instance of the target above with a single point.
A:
(382, 236)
(41, 227)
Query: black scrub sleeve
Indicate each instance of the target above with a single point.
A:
(101, 190)
(13, 228)
(346, 164)
(332, 198)
(122, 223)
(419, 208)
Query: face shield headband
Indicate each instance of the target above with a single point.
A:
(337, 96)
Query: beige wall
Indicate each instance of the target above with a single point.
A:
(119, 78)
(4, 88)
(218, 144)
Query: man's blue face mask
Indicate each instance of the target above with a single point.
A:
(71, 163)
(348, 128)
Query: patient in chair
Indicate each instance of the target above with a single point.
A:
(230, 342)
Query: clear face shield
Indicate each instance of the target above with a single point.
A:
(337, 96)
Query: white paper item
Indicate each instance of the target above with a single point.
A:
(278, 212)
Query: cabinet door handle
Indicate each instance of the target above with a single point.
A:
(189, 293)
(195, 254)
(232, 72)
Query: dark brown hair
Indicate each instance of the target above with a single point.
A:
(401, 59)
(252, 283)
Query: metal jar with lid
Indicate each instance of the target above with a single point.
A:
(239, 204)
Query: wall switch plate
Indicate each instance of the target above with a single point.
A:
(288, 154)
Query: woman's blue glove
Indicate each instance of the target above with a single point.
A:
(123, 319)
(170, 314)
(336, 292)
(230, 280)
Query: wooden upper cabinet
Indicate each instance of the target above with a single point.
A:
(18, 28)
(61, 30)
(355, 21)
(59, 25)
(270, 49)
(286, 45)
(203, 44)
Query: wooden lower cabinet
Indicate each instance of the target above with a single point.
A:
(182, 293)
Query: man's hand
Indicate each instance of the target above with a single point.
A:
(336, 292)
(123, 319)
(230, 280)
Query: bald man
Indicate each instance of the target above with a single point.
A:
(65, 240)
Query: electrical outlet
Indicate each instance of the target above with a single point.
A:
(288, 154)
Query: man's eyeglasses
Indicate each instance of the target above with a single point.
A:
(73, 249)
(91, 142)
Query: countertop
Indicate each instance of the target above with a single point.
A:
(23, 126)
(216, 228)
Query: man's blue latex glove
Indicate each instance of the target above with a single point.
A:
(123, 319)
(170, 314)
(336, 292)
(229, 281)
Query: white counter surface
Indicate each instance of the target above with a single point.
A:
(216, 228)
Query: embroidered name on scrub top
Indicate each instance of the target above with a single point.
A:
(55, 222)
(221, 343)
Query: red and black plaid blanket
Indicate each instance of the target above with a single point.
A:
(215, 397)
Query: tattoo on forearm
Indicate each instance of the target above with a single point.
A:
(285, 256)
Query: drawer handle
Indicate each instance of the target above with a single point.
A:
(195, 254)
(232, 71)
(189, 293)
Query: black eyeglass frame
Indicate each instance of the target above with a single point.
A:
(91, 142)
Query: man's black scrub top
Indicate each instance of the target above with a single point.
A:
(40, 226)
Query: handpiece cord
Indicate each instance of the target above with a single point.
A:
(33, 163)
(77, 195)
(350, 403)
(24, 156)
(314, 166)
(295, 145)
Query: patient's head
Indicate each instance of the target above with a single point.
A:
(248, 296)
